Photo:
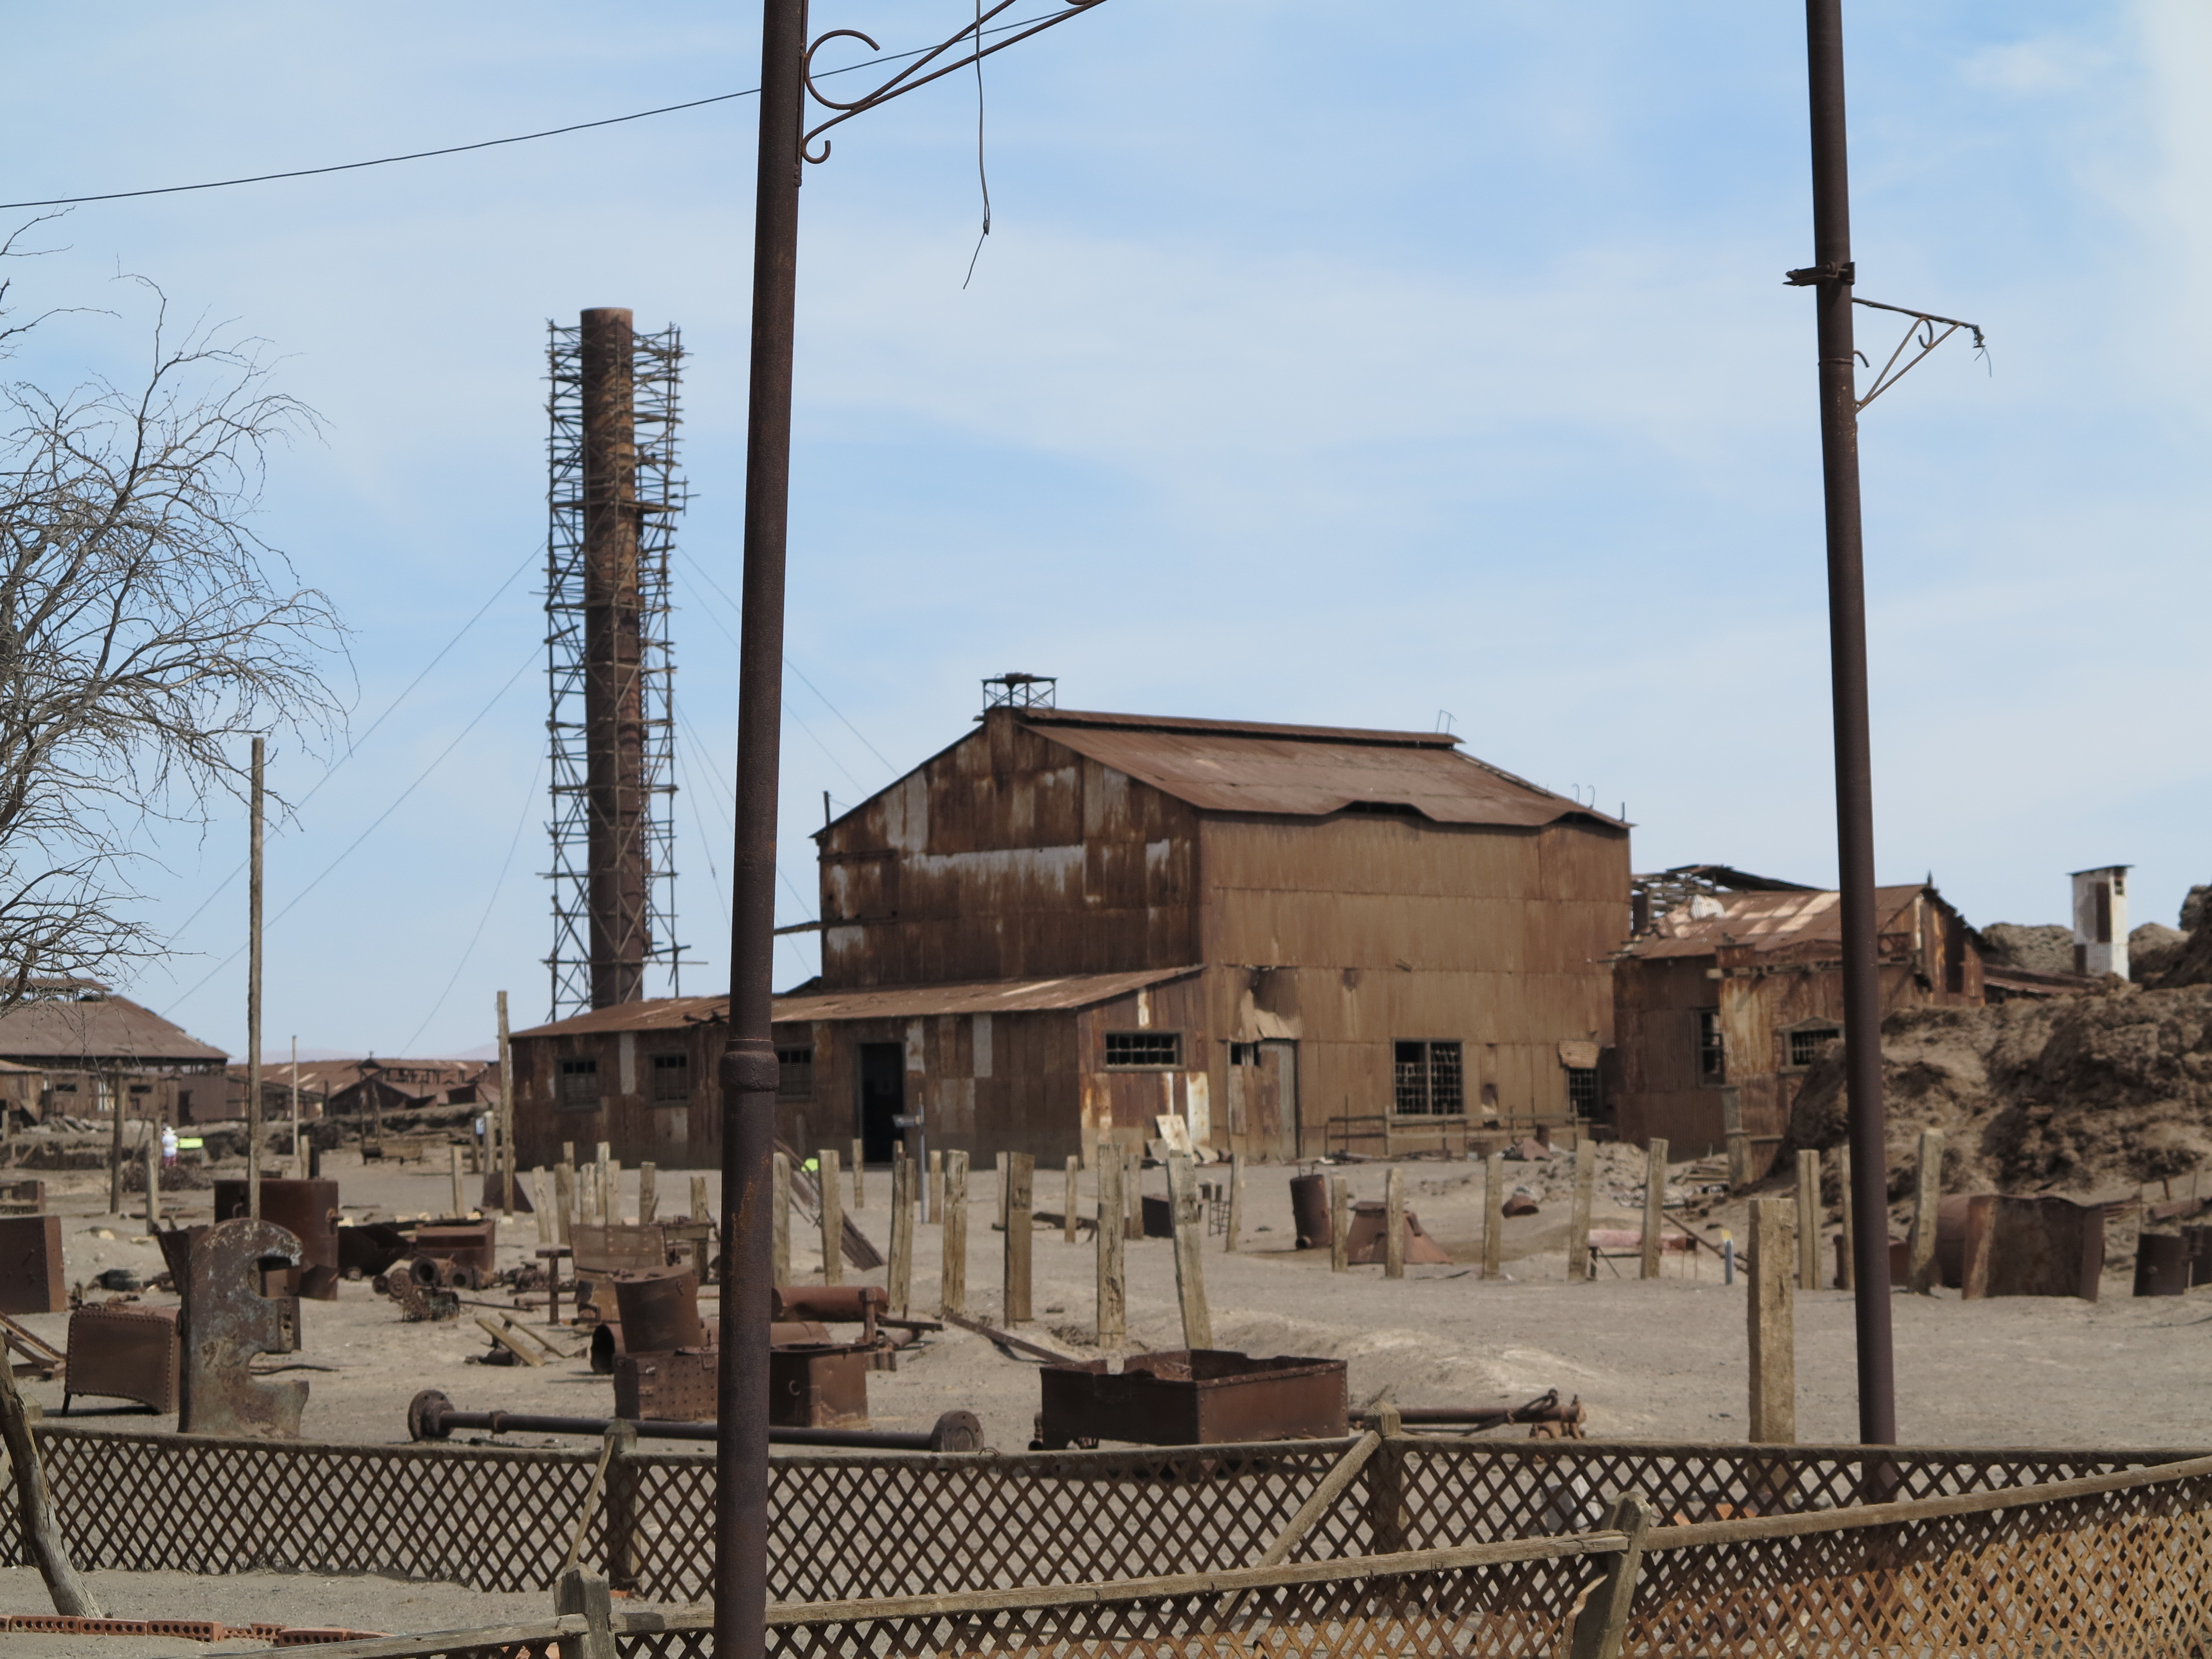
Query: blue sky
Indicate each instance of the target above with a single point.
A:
(1334, 364)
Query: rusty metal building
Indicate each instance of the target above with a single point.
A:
(1730, 996)
(1066, 925)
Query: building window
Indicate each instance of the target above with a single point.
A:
(1712, 1056)
(1428, 1080)
(1132, 1050)
(1243, 1054)
(1805, 1045)
(795, 1072)
(671, 1078)
(1582, 1090)
(579, 1085)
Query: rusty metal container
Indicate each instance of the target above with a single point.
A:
(658, 1310)
(2162, 1264)
(1185, 1397)
(31, 1265)
(2004, 1246)
(125, 1353)
(470, 1244)
(1365, 1243)
(819, 1386)
(1310, 1212)
(308, 1210)
(669, 1388)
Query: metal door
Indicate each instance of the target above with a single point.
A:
(1263, 1099)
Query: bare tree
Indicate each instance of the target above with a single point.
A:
(145, 629)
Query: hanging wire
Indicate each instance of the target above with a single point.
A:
(982, 178)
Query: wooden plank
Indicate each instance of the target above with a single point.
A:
(1113, 1289)
(1339, 1225)
(1578, 1217)
(648, 1194)
(1393, 1225)
(496, 1330)
(1493, 1214)
(1190, 1213)
(833, 1218)
(1324, 1497)
(1846, 1265)
(860, 1195)
(1021, 1174)
(1068, 1218)
(1920, 1273)
(1236, 1201)
(1602, 1621)
(1771, 1311)
(898, 1282)
(1809, 1220)
(1654, 1204)
(952, 1271)
(779, 1219)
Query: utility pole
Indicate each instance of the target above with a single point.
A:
(507, 1115)
(253, 997)
(299, 1170)
(748, 1072)
(1831, 277)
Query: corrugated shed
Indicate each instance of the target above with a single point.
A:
(98, 1025)
(1765, 922)
(1309, 771)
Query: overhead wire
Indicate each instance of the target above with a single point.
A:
(482, 144)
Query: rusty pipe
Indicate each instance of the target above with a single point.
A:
(431, 1416)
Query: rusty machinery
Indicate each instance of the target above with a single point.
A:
(1187, 1397)
(308, 1210)
(1549, 1417)
(431, 1416)
(125, 1353)
(226, 1319)
(31, 1265)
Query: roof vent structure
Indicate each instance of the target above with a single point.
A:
(1017, 690)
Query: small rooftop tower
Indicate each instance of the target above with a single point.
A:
(1013, 690)
(2101, 921)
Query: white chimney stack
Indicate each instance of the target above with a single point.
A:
(2101, 921)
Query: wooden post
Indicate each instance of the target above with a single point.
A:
(701, 1212)
(1737, 1138)
(1493, 1214)
(936, 1214)
(299, 1164)
(952, 1268)
(1927, 1194)
(648, 1194)
(1339, 1225)
(779, 1217)
(1602, 1624)
(41, 1532)
(603, 1187)
(1844, 1281)
(898, 1281)
(589, 1594)
(1021, 1174)
(564, 1200)
(116, 1093)
(506, 1156)
(153, 1145)
(1074, 1173)
(859, 1158)
(833, 1217)
(1005, 1191)
(460, 1185)
(611, 1192)
(1113, 1290)
(1190, 1213)
(1808, 1221)
(541, 1203)
(1772, 1329)
(1579, 1217)
(1655, 1199)
(253, 1004)
(1236, 1201)
(1132, 1193)
(1393, 1225)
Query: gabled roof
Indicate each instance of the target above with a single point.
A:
(1247, 766)
(1765, 921)
(84, 1024)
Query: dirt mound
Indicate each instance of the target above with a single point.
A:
(2037, 949)
(2077, 1095)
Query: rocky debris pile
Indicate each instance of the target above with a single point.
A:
(2078, 1095)
(2032, 950)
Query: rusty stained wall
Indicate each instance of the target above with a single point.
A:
(1355, 932)
(1008, 856)
(675, 1136)
(1927, 956)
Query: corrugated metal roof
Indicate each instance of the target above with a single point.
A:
(97, 1025)
(1228, 766)
(1765, 922)
(999, 996)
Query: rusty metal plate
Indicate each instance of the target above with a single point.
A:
(1310, 1212)
(308, 1210)
(820, 1387)
(658, 1310)
(613, 1248)
(668, 1387)
(2029, 1247)
(1184, 1397)
(228, 1320)
(125, 1353)
(2162, 1264)
(1364, 1242)
(31, 1265)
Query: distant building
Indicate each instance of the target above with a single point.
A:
(2101, 921)
(1721, 1008)
(87, 1044)
(366, 1088)
(1067, 925)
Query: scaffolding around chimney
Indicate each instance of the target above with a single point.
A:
(612, 498)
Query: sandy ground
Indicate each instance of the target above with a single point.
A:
(1662, 1359)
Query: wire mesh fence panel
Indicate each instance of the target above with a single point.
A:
(2111, 1573)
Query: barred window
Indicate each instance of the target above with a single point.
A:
(579, 1085)
(1712, 1052)
(795, 1072)
(1582, 1090)
(1429, 1079)
(1806, 1045)
(671, 1077)
(1138, 1049)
